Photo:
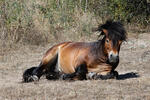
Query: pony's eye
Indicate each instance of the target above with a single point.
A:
(107, 41)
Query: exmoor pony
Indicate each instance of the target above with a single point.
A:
(82, 60)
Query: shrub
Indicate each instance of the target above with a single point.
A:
(130, 11)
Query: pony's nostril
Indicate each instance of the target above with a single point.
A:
(117, 57)
(113, 58)
(111, 55)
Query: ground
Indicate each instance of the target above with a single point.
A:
(133, 83)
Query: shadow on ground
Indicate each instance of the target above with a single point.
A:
(128, 75)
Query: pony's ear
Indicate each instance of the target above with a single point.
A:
(105, 31)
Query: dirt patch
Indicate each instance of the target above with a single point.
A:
(133, 83)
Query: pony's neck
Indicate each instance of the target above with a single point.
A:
(101, 52)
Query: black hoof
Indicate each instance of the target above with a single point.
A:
(65, 77)
(115, 74)
(52, 76)
(28, 76)
(91, 75)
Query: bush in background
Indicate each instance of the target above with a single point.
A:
(130, 11)
(43, 21)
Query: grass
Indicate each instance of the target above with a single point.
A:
(39, 22)
(14, 62)
(28, 29)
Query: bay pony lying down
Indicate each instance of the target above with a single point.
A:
(82, 60)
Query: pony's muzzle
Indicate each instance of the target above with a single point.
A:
(113, 58)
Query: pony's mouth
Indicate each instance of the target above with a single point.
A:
(113, 59)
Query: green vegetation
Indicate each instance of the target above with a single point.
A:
(130, 11)
(44, 21)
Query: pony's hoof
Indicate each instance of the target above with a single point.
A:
(65, 77)
(28, 76)
(31, 79)
(91, 75)
(34, 78)
(49, 76)
(115, 74)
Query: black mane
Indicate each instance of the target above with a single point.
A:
(116, 30)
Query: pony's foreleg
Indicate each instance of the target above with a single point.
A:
(111, 75)
(79, 74)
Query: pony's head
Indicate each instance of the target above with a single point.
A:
(114, 34)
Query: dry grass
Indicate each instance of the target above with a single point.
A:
(41, 22)
(135, 57)
(27, 31)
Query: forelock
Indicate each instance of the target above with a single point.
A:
(116, 30)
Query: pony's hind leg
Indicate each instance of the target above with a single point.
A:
(47, 64)
(27, 75)
(34, 73)
(47, 69)
(79, 74)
